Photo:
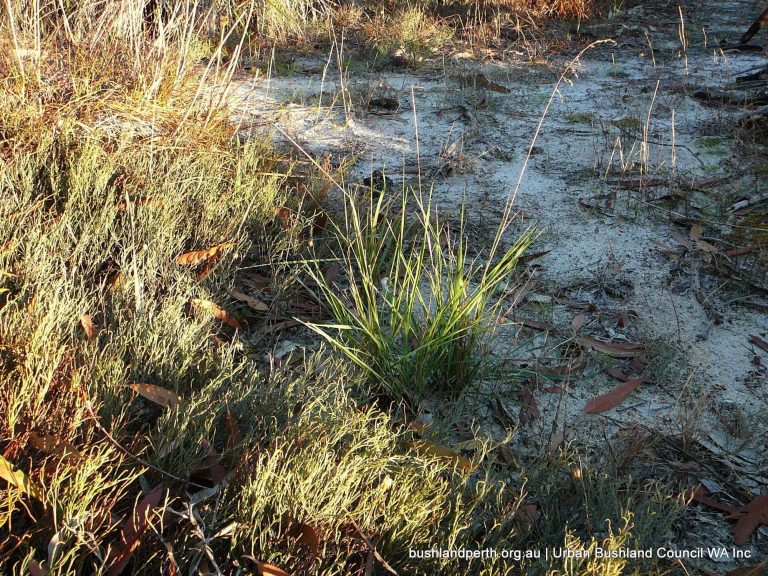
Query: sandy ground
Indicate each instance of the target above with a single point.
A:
(621, 252)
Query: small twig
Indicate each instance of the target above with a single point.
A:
(128, 453)
(373, 550)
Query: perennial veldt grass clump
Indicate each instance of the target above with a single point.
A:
(416, 308)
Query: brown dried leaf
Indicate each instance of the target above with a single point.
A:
(578, 322)
(211, 471)
(216, 311)
(52, 445)
(254, 303)
(505, 455)
(526, 516)
(759, 342)
(427, 448)
(696, 231)
(756, 513)
(617, 373)
(308, 536)
(270, 570)
(568, 368)
(745, 249)
(529, 411)
(197, 256)
(156, 394)
(207, 267)
(135, 526)
(556, 441)
(617, 349)
(90, 328)
(331, 273)
(702, 496)
(234, 436)
(614, 397)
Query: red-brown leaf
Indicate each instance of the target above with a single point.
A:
(427, 448)
(254, 303)
(234, 436)
(197, 256)
(216, 311)
(52, 445)
(617, 373)
(578, 322)
(270, 570)
(90, 328)
(156, 394)
(529, 410)
(134, 528)
(759, 342)
(617, 349)
(211, 471)
(702, 496)
(756, 513)
(308, 536)
(614, 397)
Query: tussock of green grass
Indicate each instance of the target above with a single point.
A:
(417, 308)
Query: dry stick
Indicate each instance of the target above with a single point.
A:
(15, 38)
(201, 85)
(309, 157)
(416, 136)
(693, 154)
(375, 552)
(131, 455)
(505, 221)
